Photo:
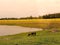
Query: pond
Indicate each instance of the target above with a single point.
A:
(10, 30)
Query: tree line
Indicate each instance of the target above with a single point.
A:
(48, 16)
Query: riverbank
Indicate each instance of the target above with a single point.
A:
(44, 37)
(41, 38)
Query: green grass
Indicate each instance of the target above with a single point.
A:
(42, 38)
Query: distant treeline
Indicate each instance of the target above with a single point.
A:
(56, 15)
(48, 16)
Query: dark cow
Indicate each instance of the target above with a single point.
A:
(32, 34)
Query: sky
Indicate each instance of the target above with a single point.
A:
(24, 8)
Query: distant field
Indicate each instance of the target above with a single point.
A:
(42, 38)
(36, 23)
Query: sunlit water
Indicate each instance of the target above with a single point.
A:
(10, 30)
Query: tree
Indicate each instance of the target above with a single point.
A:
(55, 15)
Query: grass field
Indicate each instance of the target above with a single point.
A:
(36, 23)
(42, 38)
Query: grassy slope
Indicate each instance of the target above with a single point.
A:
(42, 38)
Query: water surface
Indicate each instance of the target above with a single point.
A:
(10, 30)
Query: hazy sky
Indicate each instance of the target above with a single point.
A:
(21, 8)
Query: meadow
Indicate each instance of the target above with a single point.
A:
(44, 37)
(35, 23)
(41, 38)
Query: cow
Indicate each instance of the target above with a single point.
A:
(32, 34)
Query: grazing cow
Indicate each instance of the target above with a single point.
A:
(32, 34)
